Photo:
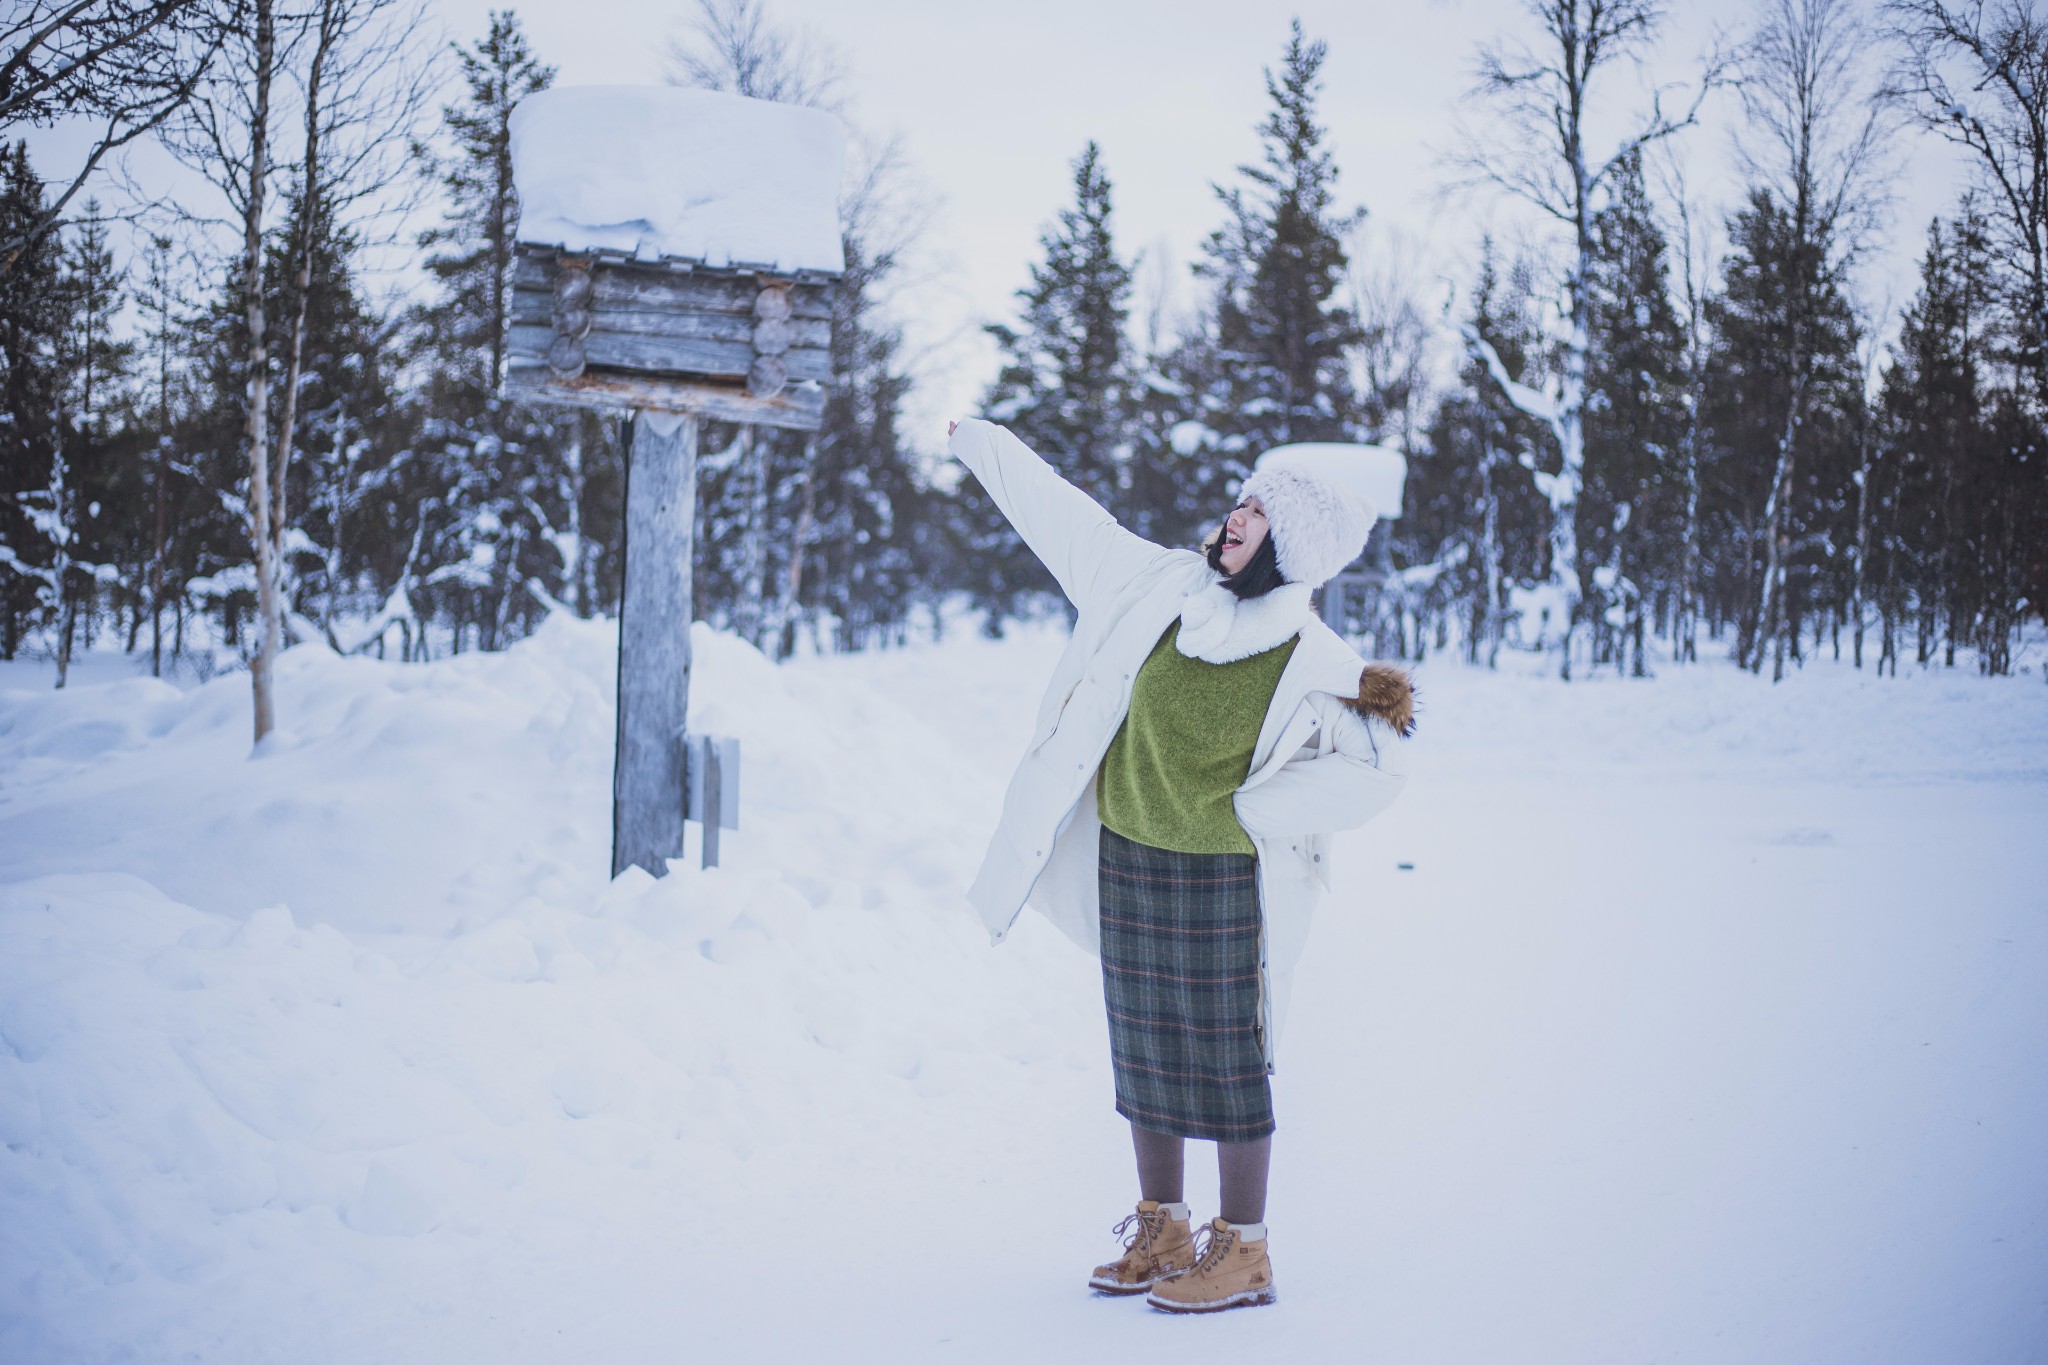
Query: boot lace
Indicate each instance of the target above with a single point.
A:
(1212, 1246)
(1141, 1237)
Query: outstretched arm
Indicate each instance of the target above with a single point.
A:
(1073, 535)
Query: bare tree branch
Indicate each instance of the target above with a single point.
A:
(733, 46)
(1977, 74)
(1541, 100)
(128, 66)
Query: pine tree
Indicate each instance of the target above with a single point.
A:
(1627, 513)
(1472, 520)
(861, 503)
(1963, 504)
(32, 320)
(501, 501)
(162, 337)
(348, 511)
(1784, 361)
(212, 462)
(1178, 471)
(471, 251)
(1065, 383)
(1276, 266)
(94, 362)
(96, 359)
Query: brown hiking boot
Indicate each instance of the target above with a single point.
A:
(1156, 1245)
(1231, 1271)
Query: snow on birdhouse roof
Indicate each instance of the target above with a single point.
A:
(658, 171)
(1376, 473)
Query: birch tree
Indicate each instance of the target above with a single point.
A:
(1544, 98)
(362, 83)
(1870, 443)
(351, 68)
(1693, 236)
(850, 547)
(735, 45)
(228, 136)
(1813, 145)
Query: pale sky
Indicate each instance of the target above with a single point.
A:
(993, 102)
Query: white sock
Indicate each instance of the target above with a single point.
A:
(1177, 1212)
(1248, 1232)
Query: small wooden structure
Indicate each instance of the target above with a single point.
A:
(672, 342)
(608, 330)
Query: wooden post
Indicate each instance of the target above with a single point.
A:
(655, 610)
(661, 339)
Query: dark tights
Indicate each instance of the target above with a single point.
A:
(1241, 1168)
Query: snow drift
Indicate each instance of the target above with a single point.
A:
(1701, 1026)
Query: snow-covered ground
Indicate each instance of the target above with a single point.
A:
(1696, 1020)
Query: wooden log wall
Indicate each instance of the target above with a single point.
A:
(618, 332)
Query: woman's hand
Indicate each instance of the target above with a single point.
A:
(950, 426)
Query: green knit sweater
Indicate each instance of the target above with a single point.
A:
(1186, 746)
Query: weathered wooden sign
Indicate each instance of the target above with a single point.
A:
(733, 344)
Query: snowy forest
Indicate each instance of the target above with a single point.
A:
(1687, 1006)
(1675, 427)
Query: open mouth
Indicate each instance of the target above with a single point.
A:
(1229, 540)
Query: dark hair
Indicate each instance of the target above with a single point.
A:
(1258, 577)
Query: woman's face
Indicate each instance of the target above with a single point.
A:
(1243, 532)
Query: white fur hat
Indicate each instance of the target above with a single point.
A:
(1317, 525)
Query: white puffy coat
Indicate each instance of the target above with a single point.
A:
(1316, 768)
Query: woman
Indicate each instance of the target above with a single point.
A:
(1202, 735)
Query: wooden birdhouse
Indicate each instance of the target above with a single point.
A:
(604, 329)
(676, 259)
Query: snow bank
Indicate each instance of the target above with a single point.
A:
(659, 171)
(396, 998)
(1693, 1020)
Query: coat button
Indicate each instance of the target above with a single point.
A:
(1318, 857)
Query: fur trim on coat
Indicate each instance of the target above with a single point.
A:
(1219, 628)
(1385, 693)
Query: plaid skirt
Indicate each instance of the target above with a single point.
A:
(1180, 976)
